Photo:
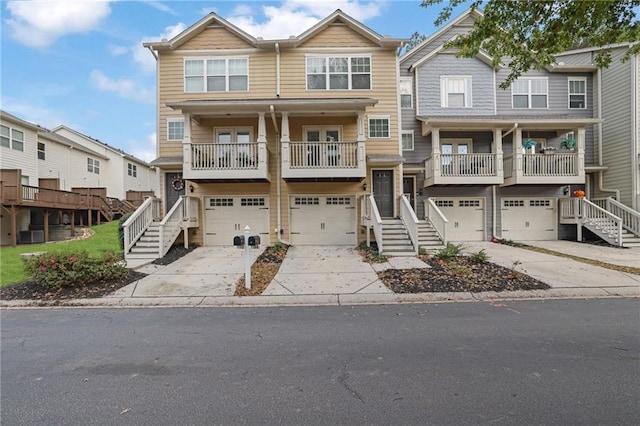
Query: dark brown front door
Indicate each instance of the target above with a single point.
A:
(407, 189)
(383, 191)
(174, 188)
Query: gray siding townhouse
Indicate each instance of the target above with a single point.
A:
(483, 162)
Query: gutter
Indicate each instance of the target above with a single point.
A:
(278, 178)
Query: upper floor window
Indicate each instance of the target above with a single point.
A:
(24, 180)
(455, 91)
(93, 166)
(175, 129)
(11, 138)
(216, 75)
(407, 141)
(530, 93)
(132, 170)
(406, 93)
(379, 127)
(41, 151)
(338, 73)
(577, 92)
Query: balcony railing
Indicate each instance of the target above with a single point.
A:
(463, 169)
(323, 159)
(226, 161)
(544, 168)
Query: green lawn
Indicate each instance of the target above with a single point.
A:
(104, 240)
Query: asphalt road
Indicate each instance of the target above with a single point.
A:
(531, 362)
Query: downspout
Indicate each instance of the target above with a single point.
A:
(278, 178)
(635, 164)
(494, 213)
(515, 126)
(601, 172)
(277, 79)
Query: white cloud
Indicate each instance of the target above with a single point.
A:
(117, 50)
(145, 151)
(208, 10)
(35, 113)
(40, 23)
(143, 57)
(296, 16)
(125, 88)
(160, 6)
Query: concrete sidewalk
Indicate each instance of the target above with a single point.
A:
(338, 276)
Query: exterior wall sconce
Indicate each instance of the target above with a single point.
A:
(190, 188)
(364, 186)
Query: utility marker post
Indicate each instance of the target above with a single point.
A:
(247, 259)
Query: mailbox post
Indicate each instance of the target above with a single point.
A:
(247, 259)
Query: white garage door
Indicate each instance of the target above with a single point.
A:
(226, 217)
(323, 220)
(529, 219)
(466, 218)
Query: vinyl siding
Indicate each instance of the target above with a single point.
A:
(338, 35)
(616, 129)
(429, 90)
(434, 44)
(26, 160)
(215, 38)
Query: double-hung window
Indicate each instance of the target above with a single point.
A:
(407, 141)
(379, 127)
(577, 92)
(11, 138)
(93, 166)
(175, 129)
(216, 75)
(455, 91)
(5, 136)
(132, 170)
(338, 72)
(41, 151)
(530, 93)
(406, 93)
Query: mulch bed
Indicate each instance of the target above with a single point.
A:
(263, 270)
(31, 290)
(458, 275)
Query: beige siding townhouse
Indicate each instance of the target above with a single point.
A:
(290, 137)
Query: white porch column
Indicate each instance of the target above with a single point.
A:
(284, 140)
(186, 144)
(435, 153)
(581, 139)
(517, 153)
(497, 146)
(361, 137)
(262, 128)
(284, 135)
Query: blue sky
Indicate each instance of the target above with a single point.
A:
(81, 63)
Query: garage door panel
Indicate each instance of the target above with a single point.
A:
(466, 218)
(323, 220)
(226, 217)
(529, 219)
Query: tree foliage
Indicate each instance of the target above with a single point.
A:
(530, 33)
(416, 39)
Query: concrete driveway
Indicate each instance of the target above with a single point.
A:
(312, 270)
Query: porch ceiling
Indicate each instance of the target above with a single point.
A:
(491, 122)
(251, 107)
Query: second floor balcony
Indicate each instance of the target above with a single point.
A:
(332, 160)
(226, 161)
(448, 169)
(555, 168)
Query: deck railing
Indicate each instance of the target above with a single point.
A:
(437, 219)
(323, 155)
(466, 165)
(543, 165)
(630, 218)
(135, 226)
(224, 156)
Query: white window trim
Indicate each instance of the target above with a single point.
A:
(132, 170)
(43, 151)
(454, 142)
(410, 80)
(323, 132)
(378, 117)
(234, 132)
(204, 77)
(413, 143)
(349, 73)
(569, 80)
(95, 166)
(175, 120)
(529, 94)
(444, 98)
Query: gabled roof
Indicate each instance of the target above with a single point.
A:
(100, 143)
(482, 55)
(10, 117)
(473, 12)
(48, 134)
(211, 20)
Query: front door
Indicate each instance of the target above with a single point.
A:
(408, 190)
(383, 191)
(174, 188)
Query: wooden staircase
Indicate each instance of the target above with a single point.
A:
(428, 237)
(396, 238)
(148, 246)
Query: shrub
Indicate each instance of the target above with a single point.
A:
(121, 222)
(450, 251)
(422, 251)
(479, 257)
(57, 270)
